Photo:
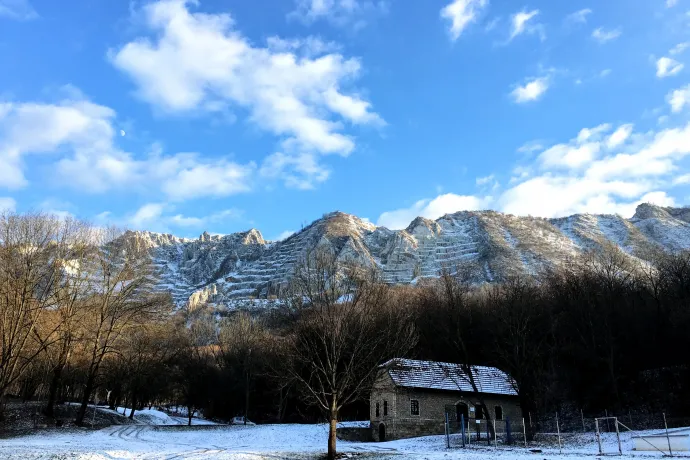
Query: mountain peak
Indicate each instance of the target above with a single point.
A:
(650, 211)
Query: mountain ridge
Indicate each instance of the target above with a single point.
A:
(242, 266)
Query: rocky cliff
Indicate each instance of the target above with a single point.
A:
(225, 270)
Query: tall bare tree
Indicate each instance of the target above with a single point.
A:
(33, 251)
(123, 280)
(69, 299)
(346, 327)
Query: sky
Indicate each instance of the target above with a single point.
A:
(223, 115)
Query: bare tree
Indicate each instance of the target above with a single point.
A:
(242, 340)
(122, 278)
(69, 298)
(456, 329)
(346, 327)
(33, 250)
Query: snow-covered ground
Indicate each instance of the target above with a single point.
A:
(269, 441)
(157, 417)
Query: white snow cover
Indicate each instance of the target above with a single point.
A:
(276, 442)
(448, 376)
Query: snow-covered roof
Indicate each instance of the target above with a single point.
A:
(434, 375)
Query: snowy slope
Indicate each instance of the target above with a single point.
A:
(245, 268)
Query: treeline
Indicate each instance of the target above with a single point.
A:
(80, 321)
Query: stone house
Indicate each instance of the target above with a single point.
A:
(411, 398)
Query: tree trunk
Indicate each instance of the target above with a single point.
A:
(52, 391)
(190, 412)
(332, 426)
(85, 398)
(134, 403)
(246, 397)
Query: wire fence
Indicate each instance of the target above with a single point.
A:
(608, 433)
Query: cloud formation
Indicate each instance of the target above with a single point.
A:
(198, 61)
(532, 90)
(461, 13)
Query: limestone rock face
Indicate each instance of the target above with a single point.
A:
(225, 270)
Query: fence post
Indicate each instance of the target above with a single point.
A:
(488, 433)
(462, 428)
(618, 436)
(668, 439)
(509, 435)
(524, 431)
(558, 430)
(596, 425)
(469, 433)
(495, 438)
(447, 433)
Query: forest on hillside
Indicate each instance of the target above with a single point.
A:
(80, 322)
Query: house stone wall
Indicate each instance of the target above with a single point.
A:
(400, 423)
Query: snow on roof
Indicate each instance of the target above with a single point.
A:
(448, 376)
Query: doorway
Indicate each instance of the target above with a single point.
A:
(382, 432)
(462, 410)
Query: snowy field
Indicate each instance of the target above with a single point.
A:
(267, 442)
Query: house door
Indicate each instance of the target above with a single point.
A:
(382, 432)
(462, 411)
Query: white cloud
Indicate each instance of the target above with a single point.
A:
(17, 9)
(578, 17)
(522, 22)
(530, 91)
(593, 134)
(597, 171)
(619, 136)
(195, 60)
(605, 73)
(602, 35)
(679, 48)
(666, 67)
(342, 13)
(7, 204)
(217, 178)
(181, 220)
(309, 46)
(485, 180)
(679, 98)
(161, 217)
(460, 13)
(81, 134)
(569, 156)
(432, 209)
(530, 147)
(671, 3)
(30, 128)
(147, 215)
(302, 171)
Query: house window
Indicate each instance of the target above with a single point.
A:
(479, 412)
(385, 408)
(414, 407)
(499, 412)
(377, 410)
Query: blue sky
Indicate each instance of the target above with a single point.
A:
(217, 115)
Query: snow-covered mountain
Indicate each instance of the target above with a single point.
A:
(226, 269)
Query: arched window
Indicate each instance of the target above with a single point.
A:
(498, 412)
(377, 410)
(385, 408)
